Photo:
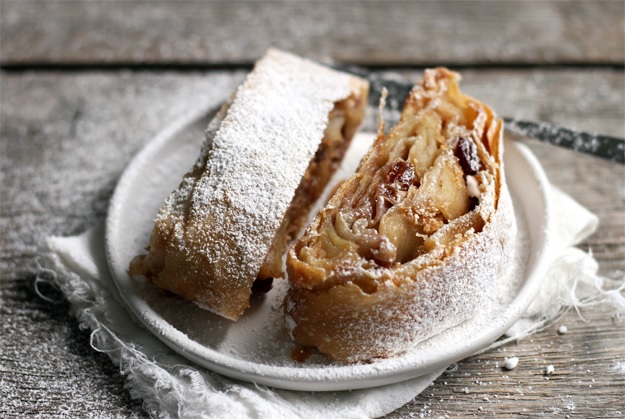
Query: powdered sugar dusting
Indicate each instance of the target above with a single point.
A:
(225, 214)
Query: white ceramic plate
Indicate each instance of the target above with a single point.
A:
(257, 348)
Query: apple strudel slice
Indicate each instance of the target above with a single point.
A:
(267, 156)
(412, 242)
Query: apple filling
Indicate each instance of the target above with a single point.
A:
(415, 196)
(342, 124)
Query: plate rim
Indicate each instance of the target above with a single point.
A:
(301, 379)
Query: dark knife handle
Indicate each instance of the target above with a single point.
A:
(609, 148)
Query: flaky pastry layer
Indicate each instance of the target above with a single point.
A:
(266, 157)
(412, 242)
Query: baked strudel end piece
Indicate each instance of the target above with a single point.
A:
(268, 155)
(412, 242)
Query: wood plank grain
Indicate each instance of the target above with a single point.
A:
(390, 32)
(67, 137)
(588, 378)
(46, 363)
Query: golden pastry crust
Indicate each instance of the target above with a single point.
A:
(259, 171)
(412, 242)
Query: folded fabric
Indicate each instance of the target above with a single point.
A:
(171, 386)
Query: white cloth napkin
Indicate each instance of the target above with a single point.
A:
(171, 386)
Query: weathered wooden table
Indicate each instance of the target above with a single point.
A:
(84, 85)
